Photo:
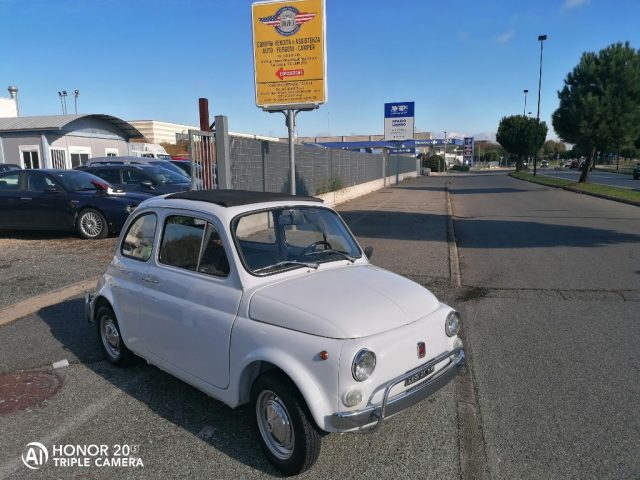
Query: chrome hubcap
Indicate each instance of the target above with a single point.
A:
(275, 424)
(110, 336)
(91, 224)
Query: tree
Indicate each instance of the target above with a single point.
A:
(600, 102)
(551, 148)
(517, 135)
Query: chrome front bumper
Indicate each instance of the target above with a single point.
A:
(373, 416)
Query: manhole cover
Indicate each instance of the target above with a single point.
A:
(23, 390)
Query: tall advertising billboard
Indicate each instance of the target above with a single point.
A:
(289, 54)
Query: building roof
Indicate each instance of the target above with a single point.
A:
(59, 122)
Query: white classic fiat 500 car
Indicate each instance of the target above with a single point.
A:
(267, 299)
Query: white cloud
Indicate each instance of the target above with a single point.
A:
(505, 37)
(574, 3)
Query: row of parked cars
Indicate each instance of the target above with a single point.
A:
(94, 199)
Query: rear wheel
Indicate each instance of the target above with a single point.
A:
(111, 341)
(91, 224)
(288, 435)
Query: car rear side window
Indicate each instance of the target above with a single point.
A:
(9, 181)
(193, 244)
(138, 241)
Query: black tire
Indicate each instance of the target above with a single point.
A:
(110, 338)
(91, 224)
(298, 447)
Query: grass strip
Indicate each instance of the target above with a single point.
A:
(613, 193)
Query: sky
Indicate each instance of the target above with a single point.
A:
(465, 64)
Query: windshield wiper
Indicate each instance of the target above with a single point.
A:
(287, 262)
(337, 252)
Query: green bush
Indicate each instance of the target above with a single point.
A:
(460, 168)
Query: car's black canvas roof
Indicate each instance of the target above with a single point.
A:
(234, 198)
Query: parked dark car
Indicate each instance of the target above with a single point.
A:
(636, 172)
(4, 167)
(140, 178)
(63, 200)
(130, 160)
(574, 164)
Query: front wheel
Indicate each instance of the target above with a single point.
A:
(288, 435)
(91, 224)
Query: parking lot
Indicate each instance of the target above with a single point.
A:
(177, 431)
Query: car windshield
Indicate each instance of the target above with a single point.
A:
(168, 166)
(77, 181)
(292, 237)
(163, 156)
(162, 176)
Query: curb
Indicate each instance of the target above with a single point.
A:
(606, 197)
(454, 260)
(33, 304)
(570, 189)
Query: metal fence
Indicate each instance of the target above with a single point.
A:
(264, 166)
(203, 160)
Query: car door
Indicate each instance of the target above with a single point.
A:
(10, 200)
(127, 272)
(191, 300)
(44, 203)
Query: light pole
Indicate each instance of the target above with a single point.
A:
(525, 102)
(75, 100)
(444, 166)
(541, 39)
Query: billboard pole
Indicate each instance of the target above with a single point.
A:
(291, 124)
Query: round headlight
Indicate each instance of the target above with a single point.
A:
(363, 365)
(452, 324)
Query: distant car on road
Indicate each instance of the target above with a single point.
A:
(63, 200)
(544, 164)
(636, 172)
(140, 178)
(4, 167)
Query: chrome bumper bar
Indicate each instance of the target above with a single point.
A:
(376, 414)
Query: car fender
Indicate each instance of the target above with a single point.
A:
(294, 353)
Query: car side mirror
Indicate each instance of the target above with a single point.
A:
(368, 251)
(147, 183)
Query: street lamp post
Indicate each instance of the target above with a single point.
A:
(524, 111)
(541, 39)
(444, 166)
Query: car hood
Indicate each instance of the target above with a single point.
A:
(346, 302)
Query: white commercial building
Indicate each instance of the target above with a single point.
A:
(156, 131)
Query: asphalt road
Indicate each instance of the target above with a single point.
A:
(553, 280)
(595, 176)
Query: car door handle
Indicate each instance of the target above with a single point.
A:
(26, 198)
(150, 279)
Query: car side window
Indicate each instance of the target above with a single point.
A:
(132, 176)
(10, 181)
(108, 174)
(193, 244)
(138, 241)
(37, 182)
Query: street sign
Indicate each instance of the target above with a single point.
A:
(398, 121)
(400, 151)
(289, 54)
(468, 150)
